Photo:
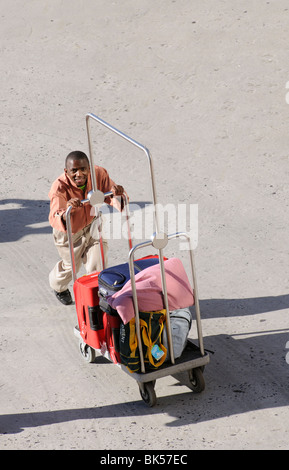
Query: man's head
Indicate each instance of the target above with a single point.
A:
(77, 167)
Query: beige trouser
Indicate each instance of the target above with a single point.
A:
(86, 251)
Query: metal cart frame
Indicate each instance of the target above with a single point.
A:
(194, 358)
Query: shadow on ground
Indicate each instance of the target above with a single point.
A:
(245, 374)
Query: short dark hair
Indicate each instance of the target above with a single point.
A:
(76, 155)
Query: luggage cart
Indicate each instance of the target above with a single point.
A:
(194, 358)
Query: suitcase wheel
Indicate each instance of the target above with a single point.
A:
(86, 351)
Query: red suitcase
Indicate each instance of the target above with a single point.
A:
(98, 329)
(111, 323)
(89, 313)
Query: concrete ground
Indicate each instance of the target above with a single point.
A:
(203, 85)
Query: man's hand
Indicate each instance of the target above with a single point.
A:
(117, 190)
(74, 202)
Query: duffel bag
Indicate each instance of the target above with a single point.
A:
(151, 329)
(180, 320)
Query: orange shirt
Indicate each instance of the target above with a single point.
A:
(63, 189)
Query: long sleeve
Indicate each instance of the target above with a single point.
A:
(58, 201)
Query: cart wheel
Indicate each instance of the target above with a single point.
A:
(87, 352)
(197, 381)
(148, 393)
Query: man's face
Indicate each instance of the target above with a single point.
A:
(78, 171)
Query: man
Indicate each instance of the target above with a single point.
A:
(68, 190)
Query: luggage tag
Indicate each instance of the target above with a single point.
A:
(157, 352)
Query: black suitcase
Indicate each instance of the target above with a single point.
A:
(112, 279)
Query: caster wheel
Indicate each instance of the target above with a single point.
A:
(86, 352)
(148, 393)
(196, 379)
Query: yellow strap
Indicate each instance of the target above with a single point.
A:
(146, 336)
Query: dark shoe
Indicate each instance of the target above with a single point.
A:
(64, 297)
